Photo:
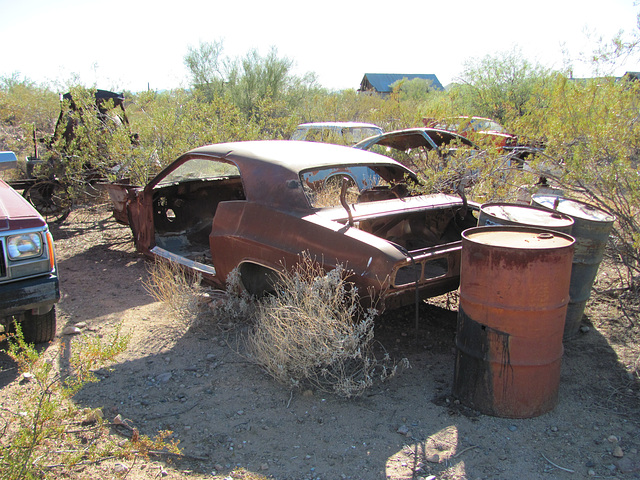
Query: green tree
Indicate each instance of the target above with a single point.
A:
(416, 89)
(255, 78)
(498, 87)
(207, 67)
(593, 128)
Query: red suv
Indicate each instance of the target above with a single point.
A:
(29, 286)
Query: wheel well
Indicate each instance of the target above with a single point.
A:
(257, 279)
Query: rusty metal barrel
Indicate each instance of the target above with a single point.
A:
(591, 229)
(514, 291)
(524, 216)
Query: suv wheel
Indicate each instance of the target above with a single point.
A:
(39, 328)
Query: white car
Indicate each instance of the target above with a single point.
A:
(342, 133)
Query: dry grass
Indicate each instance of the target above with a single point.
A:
(314, 333)
(177, 288)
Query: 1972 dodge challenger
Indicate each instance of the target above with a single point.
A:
(257, 205)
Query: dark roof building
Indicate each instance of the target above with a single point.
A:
(381, 82)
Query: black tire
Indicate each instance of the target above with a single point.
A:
(39, 328)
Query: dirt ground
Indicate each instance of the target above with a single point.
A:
(229, 414)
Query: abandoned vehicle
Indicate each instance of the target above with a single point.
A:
(29, 285)
(258, 205)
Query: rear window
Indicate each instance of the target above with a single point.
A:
(324, 186)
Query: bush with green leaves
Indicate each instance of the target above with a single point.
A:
(48, 434)
(591, 129)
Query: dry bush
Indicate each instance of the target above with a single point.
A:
(237, 305)
(177, 288)
(314, 333)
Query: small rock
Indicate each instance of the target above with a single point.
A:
(307, 393)
(403, 430)
(164, 377)
(584, 329)
(120, 468)
(617, 452)
(627, 465)
(81, 325)
(71, 331)
(435, 458)
(264, 466)
(512, 428)
(554, 429)
(612, 439)
(591, 473)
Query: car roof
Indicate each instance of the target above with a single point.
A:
(291, 155)
(339, 124)
(270, 169)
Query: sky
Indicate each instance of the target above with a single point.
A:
(137, 45)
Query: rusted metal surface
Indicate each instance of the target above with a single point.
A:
(591, 229)
(262, 213)
(514, 290)
(506, 214)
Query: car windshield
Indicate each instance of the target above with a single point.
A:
(485, 125)
(200, 169)
(323, 187)
(342, 135)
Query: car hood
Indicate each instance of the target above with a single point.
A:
(413, 138)
(15, 212)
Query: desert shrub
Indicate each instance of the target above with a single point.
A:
(313, 332)
(26, 110)
(176, 287)
(49, 434)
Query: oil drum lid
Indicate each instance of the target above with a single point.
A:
(527, 215)
(518, 237)
(574, 208)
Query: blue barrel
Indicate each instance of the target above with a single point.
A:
(591, 229)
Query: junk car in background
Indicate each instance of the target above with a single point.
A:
(487, 132)
(428, 150)
(47, 178)
(341, 133)
(256, 206)
(413, 146)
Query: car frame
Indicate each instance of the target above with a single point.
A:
(29, 285)
(265, 208)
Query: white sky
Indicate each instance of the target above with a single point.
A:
(135, 44)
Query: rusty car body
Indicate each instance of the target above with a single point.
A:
(256, 206)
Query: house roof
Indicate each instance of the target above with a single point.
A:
(381, 82)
